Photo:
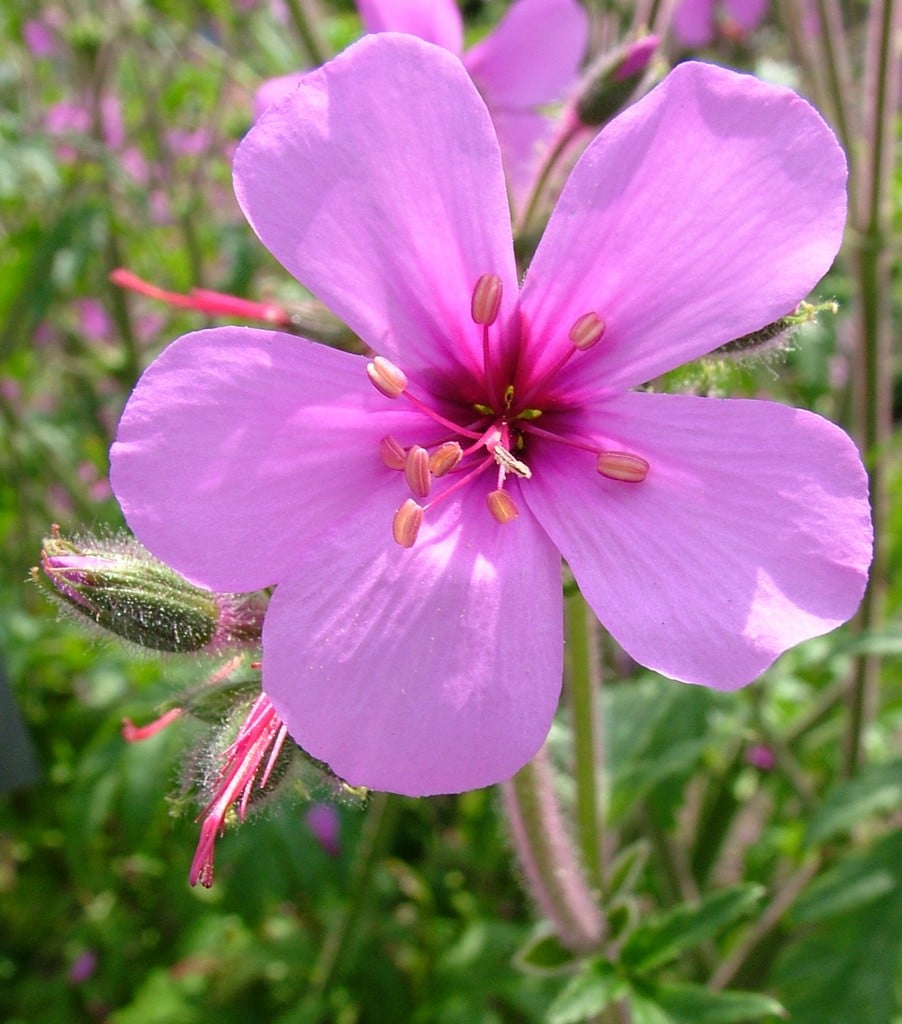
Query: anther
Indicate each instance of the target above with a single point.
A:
(587, 331)
(502, 506)
(386, 377)
(406, 524)
(486, 300)
(445, 458)
(416, 469)
(392, 451)
(631, 469)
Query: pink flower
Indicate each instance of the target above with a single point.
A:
(40, 35)
(697, 22)
(708, 535)
(530, 60)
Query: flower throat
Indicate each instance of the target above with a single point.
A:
(493, 438)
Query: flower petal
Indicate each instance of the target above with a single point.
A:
(435, 669)
(273, 90)
(437, 21)
(693, 22)
(750, 533)
(532, 57)
(704, 212)
(378, 184)
(238, 446)
(748, 14)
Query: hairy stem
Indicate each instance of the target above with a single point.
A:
(547, 857)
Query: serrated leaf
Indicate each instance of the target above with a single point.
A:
(844, 968)
(696, 1004)
(662, 937)
(876, 790)
(544, 954)
(587, 994)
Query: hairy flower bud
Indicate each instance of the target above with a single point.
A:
(609, 82)
(775, 335)
(116, 584)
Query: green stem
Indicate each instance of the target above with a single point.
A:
(745, 954)
(381, 817)
(835, 60)
(872, 384)
(584, 680)
(572, 130)
(304, 23)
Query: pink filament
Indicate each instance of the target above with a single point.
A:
(261, 736)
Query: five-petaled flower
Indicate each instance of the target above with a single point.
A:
(412, 506)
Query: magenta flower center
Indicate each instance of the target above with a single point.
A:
(490, 434)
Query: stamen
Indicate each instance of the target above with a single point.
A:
(392, 451)
(386, 377)
(624, 466)
(445, 458)
(502, 506)
(486, 300)
(587, 331)
(406, 524)
(416, 469)
(508, 463)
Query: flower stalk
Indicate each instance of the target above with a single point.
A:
(584, 692)
(550, 865)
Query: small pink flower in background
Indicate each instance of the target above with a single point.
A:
(324, 822)
(83, 967)
(760, 756)
(94, 321)
(189, 143)
(40, 35)
(696, 23)
(531, 59)
(412, 508)
(67, 121)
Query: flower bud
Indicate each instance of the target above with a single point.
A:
(116, 584)
(610, 81)
(774, 335)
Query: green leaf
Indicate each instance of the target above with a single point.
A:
(662, 937)
(543, 954)
(696, 1004)
(844, 967)
(876, 790)
(655, 736)
(587, 994)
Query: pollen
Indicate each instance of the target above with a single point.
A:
(392, 451)
(445, 458)
(587, 331)
(502, 506)
(406, 523)
(486, 300)
(416, 469)
(386, 378)
(624, 466)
